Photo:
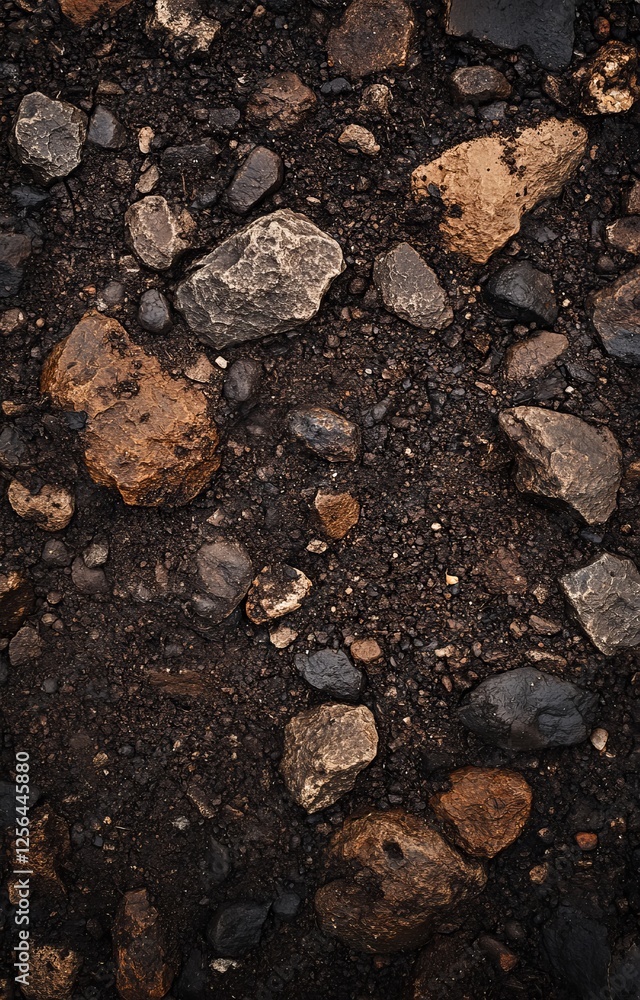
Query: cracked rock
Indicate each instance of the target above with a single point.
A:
(608, 83)
(373, 36)
(529, 358)
(155, 232)
(411, 290)
(275, 592)
(185, 22)
(605, 597)
(225, 572)
(330, 435)
(145, 958)
(48, 137)
(25, 646)
(564, 459)
(616, 317)
(51, 508)
(521, 292)
(282, 102)
(332, 672)
(256, 178)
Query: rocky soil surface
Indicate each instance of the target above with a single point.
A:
(319, 468)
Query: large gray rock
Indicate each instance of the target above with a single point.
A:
(524, 709)
(267, 278)
(332, 672)
(565, 460)
(411, 289)
(605, 596)
(225, 572)
(48, 136)
(616, 317)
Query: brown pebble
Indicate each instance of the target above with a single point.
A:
(498, 953)
(337, 512)
(365, 650)
(587, 841)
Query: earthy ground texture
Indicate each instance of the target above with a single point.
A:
(411, 530)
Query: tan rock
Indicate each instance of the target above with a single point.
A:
(49, 849)
(185, 22)
(325, 749)
(365, 650)
(374, 35)
(608, 82)
(145, 957)
(156, 232)
(529, 358)
(16, 601)
(624, 234)
(53, 970)
(51, 508)
(25, 646)
(356, 139)
(376, 100)
(633, 199)
(485, 810)
(494, 181)
(402, 881)
(147, 434)
(82, 12)
(281, 103)
(337, 512)
(275, 592)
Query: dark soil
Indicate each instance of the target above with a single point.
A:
(113, 755)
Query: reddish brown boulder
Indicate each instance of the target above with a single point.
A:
(485, 810)
(374, 35)
(146, 960)
(16, 601)
(281, 103)
(81, 12)
(147, 434)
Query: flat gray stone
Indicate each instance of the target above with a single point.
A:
(605, 596)
(48, 136)
(267, 278)
(154, 312)
(155, 232)
(225, 572)
(410, 288)
(332, 672)
(479, 84)
(260, 175)
(616, 317)
(105, 130)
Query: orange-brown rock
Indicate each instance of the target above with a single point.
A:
(49, 848)
(401, 881)
(485, 810)
(374, 35)
(147, 434)
(529, 358)
(281, 103)
(53, 970)
(337, 512)
(51, 508)
(587, 841)
(81, 12)
(365, 650)
(16, 601)
(145, 956)
(498, 953)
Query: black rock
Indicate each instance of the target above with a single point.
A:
(13, 447)
(333, 88)
(260, 175)
(242, 380)
(56, 553)
(615, 315)
(577, 950)
(286, 906)
(15, 248)
(524, 709)
(327, 433)
(235, 928)
(154, 312)
(520, 292)
(332, 672)
(29, 196)
(219, 861)
(193, 983)
(88, 581)
(225, 572)
(113, 293)
(189, 160)
(223, 120)
(105, 130)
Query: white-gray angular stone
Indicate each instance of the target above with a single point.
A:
(605, 596)
(155, 232)
(48, 136)
(410, 288)
(267, 278)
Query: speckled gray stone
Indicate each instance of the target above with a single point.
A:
(605, 596)
(410, 288)
(48, 136)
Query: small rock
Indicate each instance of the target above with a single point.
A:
(225, 572)
(520, 292)
(624, 234)
(411, 290)
(494, 181)
(53, 970)
(486, 809)
(337, 512)
(576, 947)
(25, 646)
(146, 960)
(148, 179)
(88, 580)
(49, 850)
(501, 956)
(218, 857)
(275, 592)
(333, 88)
(401, 882)
(327, 433)
(146, 136)
(376, 100)
(565, 460)
(332, 672)
(587, 841)
(282, 636)
(51, 509)
(236, 928)
(479, 84)
(11, 319)
(200, 369)
(267, 278)
(365, 650)
(373, 36)
(242, 381)
(55, 553)
(504, 574)
(524, 709)
(155, 232)
(599, 738)
(325, 749)
(185, 23)
(32, 141)
(224, 120)
(607, 83)
(615, 316)
(154, 312)
(544, 627)
(286, 906)
(96, 554)
(260, 175)
(16, 601)
(529, 358)
(281, 103)
(356, 139)
(605, 596)
(15, 250)
(105, 130)
(632, 200)
(13, 446)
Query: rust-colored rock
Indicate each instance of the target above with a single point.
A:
(365, 650)
(53, 970)
(407, 882)
(82, 12)
(497, 952)
(486, 809)
(51, 508)
(147, 434)
(282, 102)
(608, 82)
(337, 512)
(529, 358)
(494, 181)
(587, 841)
(275, 592)
(49, 849)
(16, 601)
(374, 35)
(145, 957)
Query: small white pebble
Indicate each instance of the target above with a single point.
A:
(599, 738)
(145, 136)
(221, 362)
(451, 580)
(436, 527)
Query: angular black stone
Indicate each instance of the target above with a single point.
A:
(242, 380)
(225, 573)
(332, 672)
(520, 292)
(235, 928)
(260, 175)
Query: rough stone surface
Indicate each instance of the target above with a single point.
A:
(235, 928)
(15, 250)
(154, 312)
(105, 130)
(365, 650)
(373, 36)
(524, 709)
(184, 21)
(282, 102)
(608, 82)
(492, 194)
(144, 956)
(564, 459)
(337, 512)
(404, 880)
(267, 278)
(520, 291)
(325, 749)
(632, 199)
(48, 136)
(225, 572)
(51, 508)
(486, 809)
(25, 646)
(327, 433)
(529, 358)
(503, 572)
(479, 84)
(605, 596)
(332, 672)
(82, 12)
(275, 592)
(376, 100)
(546, 26)
(356, 139)
(624, 234)
(616, 317)
(16, 601)
(55, 553)
(155, 231)
(155, 446)
(260, 175)
(410, 288)
(242, 380)
(53, 970)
